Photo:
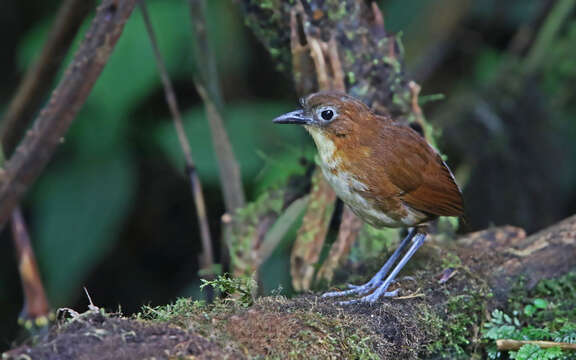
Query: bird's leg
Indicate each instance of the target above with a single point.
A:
(376, 279)
(418, 240)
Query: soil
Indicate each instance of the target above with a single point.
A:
(97, 336)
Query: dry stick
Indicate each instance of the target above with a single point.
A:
(36, 310)
(195, 184)
(508, 345)
(39, 144)
(209, 90)
(39, 78)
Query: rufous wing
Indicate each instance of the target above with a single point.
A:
(424, 181)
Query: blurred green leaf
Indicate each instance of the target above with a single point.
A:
(281, 227)
(251, 131)
(487, 65)
(540, 303)
(287, 162)
(78, 210)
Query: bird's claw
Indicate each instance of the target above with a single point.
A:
(370, 299)
(353, 289)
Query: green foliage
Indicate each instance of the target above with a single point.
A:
(534, 352)
(240, 290)
(548, 314)
(501, 326)
(463, 313)
(79, 210)
(251, 133)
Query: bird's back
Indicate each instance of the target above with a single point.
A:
(401, 179)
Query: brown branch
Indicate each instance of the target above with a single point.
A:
(209, 90)
(349, 228)
(36, 311)
(36, 149)
(195, 184)
(508, 345)
(39, 78)
(311, 235)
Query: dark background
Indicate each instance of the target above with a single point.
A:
(113, 211)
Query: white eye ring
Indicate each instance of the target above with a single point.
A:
(326, 114)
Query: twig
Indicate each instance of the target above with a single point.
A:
(507, 344)
(39, 78)
(415, 294)
(91, 306)
(195, 184)
(36, 311)
(51, 125)
(416, 110)
(312, 234)
(209, 90)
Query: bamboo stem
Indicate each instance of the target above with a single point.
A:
(208, 87)
(507, 344)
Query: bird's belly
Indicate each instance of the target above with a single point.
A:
(349, 190)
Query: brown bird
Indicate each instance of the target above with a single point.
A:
(384, 171)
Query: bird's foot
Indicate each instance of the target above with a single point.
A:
(373, 297)
(355, 289)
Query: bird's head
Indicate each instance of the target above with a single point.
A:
(329, 114)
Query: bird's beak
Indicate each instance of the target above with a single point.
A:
(293, 117)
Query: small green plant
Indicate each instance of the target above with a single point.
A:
(240, 290)
(504, 326)
(534, 352)
(183, 308)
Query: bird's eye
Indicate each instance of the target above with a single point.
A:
(327, 115)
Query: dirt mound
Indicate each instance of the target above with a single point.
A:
(96, 336)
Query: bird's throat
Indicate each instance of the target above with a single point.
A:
(326, 147)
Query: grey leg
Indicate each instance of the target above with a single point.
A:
(418, 240)
(376, 279)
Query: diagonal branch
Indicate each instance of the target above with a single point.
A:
(40, 143)
(196, 185)
(38, 79)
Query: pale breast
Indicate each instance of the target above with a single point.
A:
(350, 189)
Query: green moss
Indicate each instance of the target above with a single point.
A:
(336, 338)
(336, 10)
(451, 260)
(351, 77)
(245, 224)
(176, 313)
(265, 17)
